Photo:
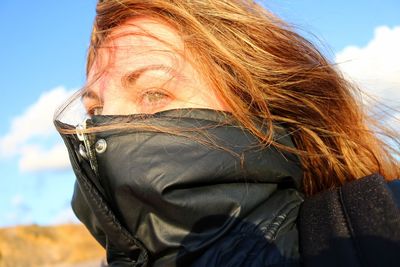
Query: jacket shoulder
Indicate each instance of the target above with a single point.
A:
(357, 224)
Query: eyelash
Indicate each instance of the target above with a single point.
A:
(160, 97)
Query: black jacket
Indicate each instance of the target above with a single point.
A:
(212, 197)
(209, 197)
(355, 225)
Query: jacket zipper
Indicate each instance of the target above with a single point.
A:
(85, 149)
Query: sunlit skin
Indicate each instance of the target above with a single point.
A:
(145, 69)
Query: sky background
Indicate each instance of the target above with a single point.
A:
(43, 46)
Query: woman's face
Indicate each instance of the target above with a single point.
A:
(143, 68)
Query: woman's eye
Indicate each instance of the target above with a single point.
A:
(154, 98)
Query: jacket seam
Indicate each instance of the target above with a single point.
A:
(272, 230)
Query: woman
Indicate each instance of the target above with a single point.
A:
(208, 122)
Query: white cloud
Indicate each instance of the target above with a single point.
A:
(35, 158)
(35, 121)
(31, 133)
(375, 67)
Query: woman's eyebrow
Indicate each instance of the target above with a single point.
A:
(131, 78)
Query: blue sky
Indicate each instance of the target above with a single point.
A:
(43, 49)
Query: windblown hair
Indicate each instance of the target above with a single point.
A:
(261, 67)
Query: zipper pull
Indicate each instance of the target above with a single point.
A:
(85, 149)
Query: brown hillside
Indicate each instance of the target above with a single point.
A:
(55, 246)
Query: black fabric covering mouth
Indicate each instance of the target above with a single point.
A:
(182, 194)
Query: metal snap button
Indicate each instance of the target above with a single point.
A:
(100, 146)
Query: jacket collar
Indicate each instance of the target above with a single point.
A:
(176, 195)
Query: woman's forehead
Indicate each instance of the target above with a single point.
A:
(143, 33)
(138, 41)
